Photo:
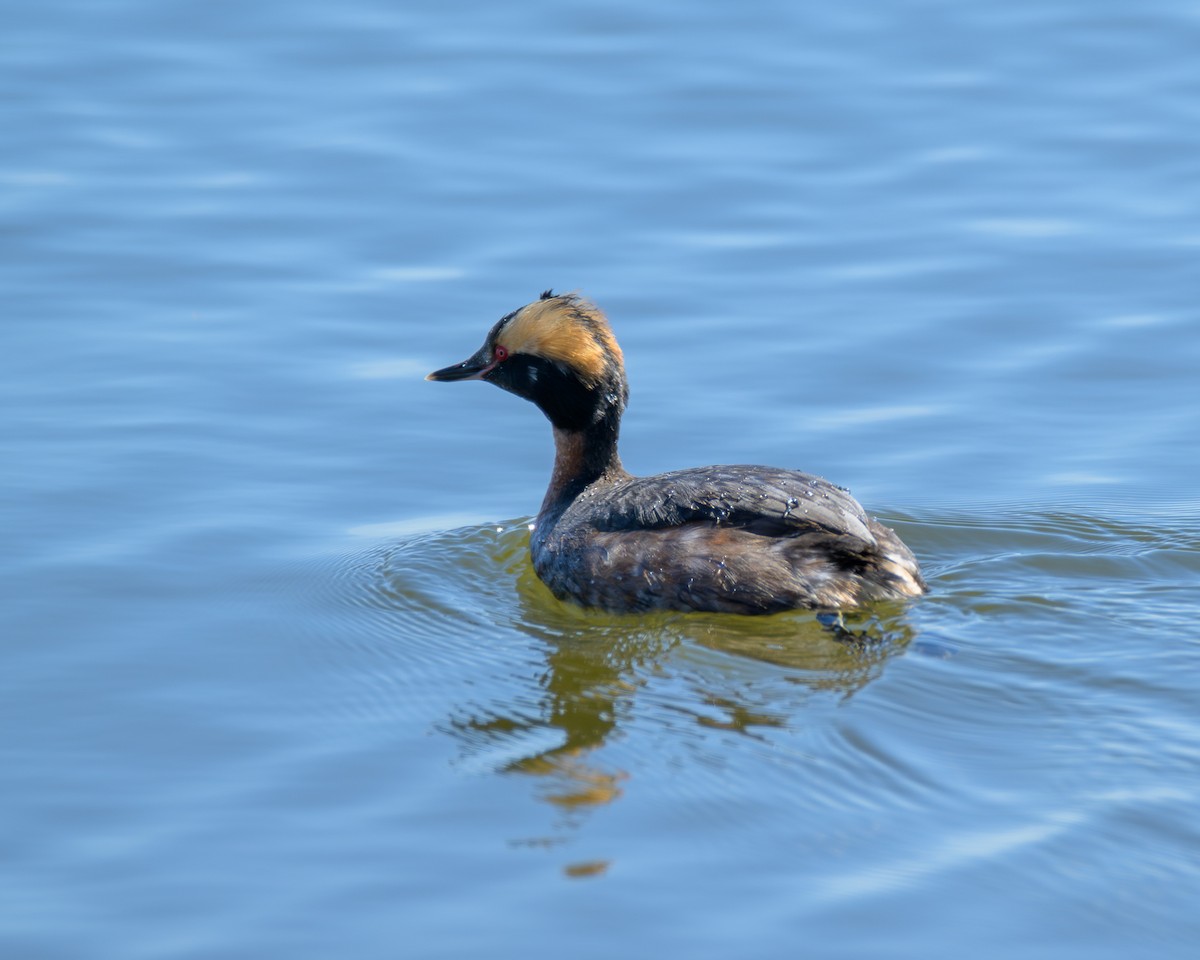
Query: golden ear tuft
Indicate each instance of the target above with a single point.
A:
(565, 329)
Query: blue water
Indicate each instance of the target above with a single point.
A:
(278, 677)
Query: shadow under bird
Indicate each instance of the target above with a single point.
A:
(737, 539)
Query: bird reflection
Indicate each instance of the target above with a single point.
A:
(596, 666)
(589, 682)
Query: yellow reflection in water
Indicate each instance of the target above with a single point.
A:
(596, 665)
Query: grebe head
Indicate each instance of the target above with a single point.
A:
(558, 352)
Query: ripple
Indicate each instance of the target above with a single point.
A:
(871, 415)
(409, 620)
(457, 621)
(395, 368)
(707, 718)
(1025, 228)
(417, 274)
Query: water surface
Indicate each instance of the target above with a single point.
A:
(279, 679)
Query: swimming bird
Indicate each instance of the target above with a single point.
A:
(737, 539)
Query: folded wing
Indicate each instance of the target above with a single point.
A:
(761, 500)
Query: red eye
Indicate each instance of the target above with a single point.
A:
(500, 354)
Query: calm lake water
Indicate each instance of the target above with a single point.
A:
(278, 678)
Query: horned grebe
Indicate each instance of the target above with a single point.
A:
(739, 539)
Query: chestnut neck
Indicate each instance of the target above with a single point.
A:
(581, 458)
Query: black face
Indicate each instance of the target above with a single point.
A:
(565, 399)
(562, 397)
